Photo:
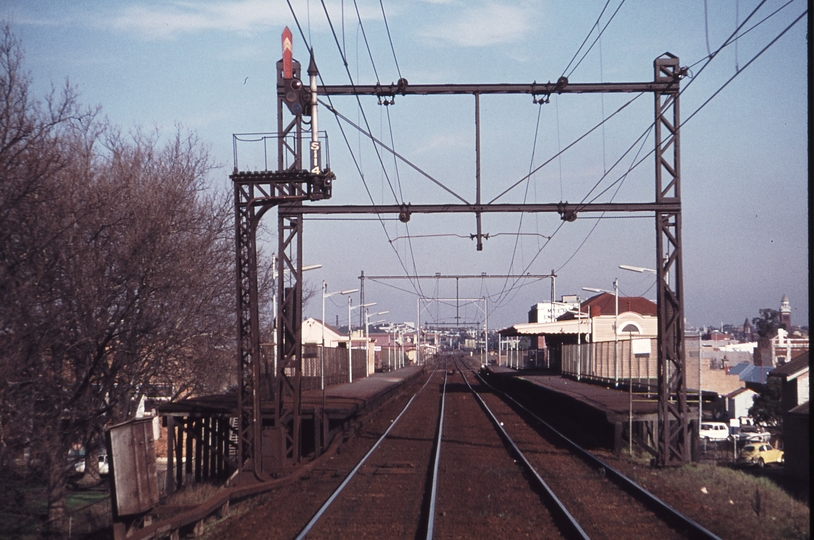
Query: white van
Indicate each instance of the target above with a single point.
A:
(713, 431)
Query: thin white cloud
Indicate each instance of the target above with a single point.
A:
(442, 142)
(167, 21)
(485, 25)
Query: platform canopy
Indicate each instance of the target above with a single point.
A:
(573, 326)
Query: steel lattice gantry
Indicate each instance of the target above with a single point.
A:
(673, 437)
(262, 450)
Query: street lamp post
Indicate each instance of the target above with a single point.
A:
(350, 335)
(367, 323)
(274, 275)
(642, 270)
(630, 394)
(325, 295)
(389, 347)
(615, 327)
(579, 335)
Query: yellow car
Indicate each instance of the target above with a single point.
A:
(760, 454)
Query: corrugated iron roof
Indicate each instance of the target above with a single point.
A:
(737, 369)
(557, 327)
(755, 374)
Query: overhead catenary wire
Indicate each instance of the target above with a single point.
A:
(525, 197)
(401, 194)
(700, 107)
(587, 37)
(364, 37)
(601, 216)
(730, 41)
(342, 130)
(574, 142)
(358, 101)
(570, 73)
(651, 126)
(390, 39)
(367, 124)
(415, 167)
(764, 49)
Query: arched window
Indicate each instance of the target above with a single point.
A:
(631, 328)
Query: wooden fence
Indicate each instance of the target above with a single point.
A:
(609, 361)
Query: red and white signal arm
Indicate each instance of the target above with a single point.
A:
(287, 54)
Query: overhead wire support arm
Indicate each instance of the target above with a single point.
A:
(464, 276)
(560, 208)
(532, 89)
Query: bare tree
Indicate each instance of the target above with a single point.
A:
(116, 273)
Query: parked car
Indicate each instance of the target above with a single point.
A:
(760, 454)
(753, 434)
(104, 465)
(713, 431)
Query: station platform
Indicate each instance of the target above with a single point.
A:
(348, 400)
(593, 413)
(202, 432)
(344, 399)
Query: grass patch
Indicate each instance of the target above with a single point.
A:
(193, 495)
(732, 503)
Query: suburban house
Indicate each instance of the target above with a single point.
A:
(793, 378)
(312, 332)
(796, 434)
(739, 402)
(794, 400)
(312, 335)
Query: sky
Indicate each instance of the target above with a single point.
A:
(209, 67)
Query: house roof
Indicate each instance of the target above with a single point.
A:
(755, 374)
(800, 409)
(738, 392)
(607, 305)
(737, 369)
(313, 328)
(793, 369)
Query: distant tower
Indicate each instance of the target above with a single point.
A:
(785, 313)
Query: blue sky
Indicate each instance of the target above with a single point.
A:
(209, 66)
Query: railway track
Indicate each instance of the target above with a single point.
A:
(604, 501)
(460, 460)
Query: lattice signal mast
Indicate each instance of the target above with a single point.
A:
(268, 445)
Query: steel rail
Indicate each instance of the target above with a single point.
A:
(661, 508)
(316, 517)
(574, 528)
(437, 459)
